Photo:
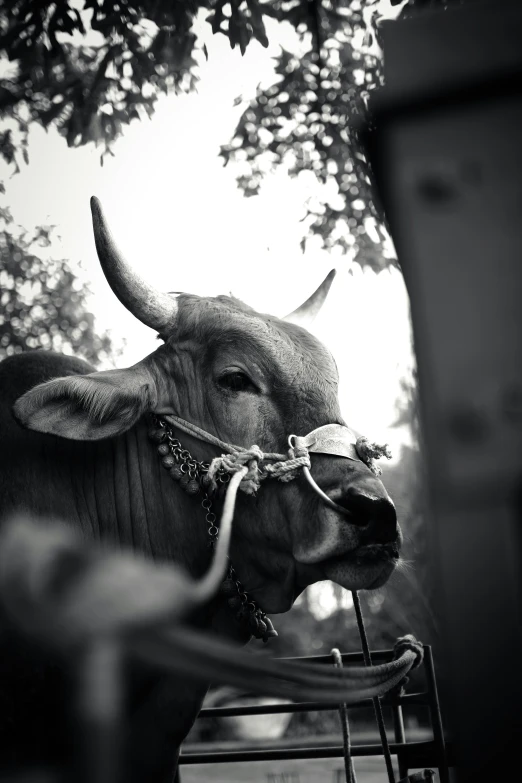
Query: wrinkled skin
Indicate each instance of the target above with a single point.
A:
(78, 450)
(291, 389)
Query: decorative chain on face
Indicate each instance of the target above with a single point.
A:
(192, 476)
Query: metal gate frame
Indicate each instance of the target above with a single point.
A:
(410, 755)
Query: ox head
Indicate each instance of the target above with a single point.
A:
(249, 379)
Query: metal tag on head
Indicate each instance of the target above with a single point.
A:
(330, 439)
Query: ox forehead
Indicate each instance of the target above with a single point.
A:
(280, 357)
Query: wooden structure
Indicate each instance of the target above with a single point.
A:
(447, 153)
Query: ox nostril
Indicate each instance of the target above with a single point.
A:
(375, 514)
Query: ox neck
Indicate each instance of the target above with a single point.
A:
(195, 479)
(134, 503)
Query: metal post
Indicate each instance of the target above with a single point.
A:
(399, 736)
(435, 715)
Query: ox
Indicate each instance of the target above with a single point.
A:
(76, 445)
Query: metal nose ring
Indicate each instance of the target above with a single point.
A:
(324, 497)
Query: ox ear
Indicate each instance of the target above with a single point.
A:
(88, 407)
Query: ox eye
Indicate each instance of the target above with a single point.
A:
(236, 381)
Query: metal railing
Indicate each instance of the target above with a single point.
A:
(123, 605)
(410, 754)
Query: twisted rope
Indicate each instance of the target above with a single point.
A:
(253, 458)
(285, 467)
(206, 587)
(193, 429)
(368, 452)
(287, 470)
(189, 651)
(114, 593)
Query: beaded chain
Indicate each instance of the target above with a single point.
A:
(192, 476)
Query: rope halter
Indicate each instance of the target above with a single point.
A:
(334, 439)
(245, 469)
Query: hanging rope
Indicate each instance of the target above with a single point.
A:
(118, 593)
(206, 587)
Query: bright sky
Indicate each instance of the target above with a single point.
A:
(184, 225)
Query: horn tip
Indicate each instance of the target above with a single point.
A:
(309, 309)
(95, 204)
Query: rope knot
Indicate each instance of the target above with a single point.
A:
(368, 452)
(286, 470)
(409, 642)
(232, 463)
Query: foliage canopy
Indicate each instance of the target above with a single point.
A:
(89, 67)
(43, 304)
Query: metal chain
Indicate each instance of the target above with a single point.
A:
(192, 477)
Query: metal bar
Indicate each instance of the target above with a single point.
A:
(377, 706)
(409, 755)
(436, 718)
(306, 706)
(400, 737)
(416, 754)
(354, 657)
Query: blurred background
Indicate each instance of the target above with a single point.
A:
(223, 141)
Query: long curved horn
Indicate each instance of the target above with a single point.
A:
(153, 308)
(306, 313)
